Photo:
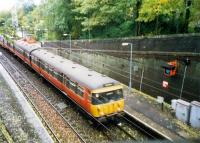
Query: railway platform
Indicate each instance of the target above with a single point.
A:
(18, 121)
(147, 110)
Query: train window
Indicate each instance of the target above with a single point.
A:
(17, 49)
(20, 51)
(26, 54)
(55, 74)
(33, 59)
(46, 68)
(80, 91)
(66, 82)
(51, 72)
(42, 65)
(95, 99)
(58, 76)
(72, 86)
(37, 61)
(100, 98)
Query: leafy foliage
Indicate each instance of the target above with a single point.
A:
(108, 18)
(194, 25)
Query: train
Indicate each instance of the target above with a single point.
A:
(98, 95)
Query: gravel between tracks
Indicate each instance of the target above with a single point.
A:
(63, 131)
(81, 123)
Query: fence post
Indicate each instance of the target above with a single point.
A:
(183, 81)
(187, 62)
(142, 76)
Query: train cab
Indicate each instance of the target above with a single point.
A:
(107, 101)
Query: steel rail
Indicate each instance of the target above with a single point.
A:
(25, 77)
(29, 100)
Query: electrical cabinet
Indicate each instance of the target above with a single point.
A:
(173, 104)
(195, 114)
(183, 110)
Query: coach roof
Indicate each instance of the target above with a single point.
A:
(26, 46)
(74, 71)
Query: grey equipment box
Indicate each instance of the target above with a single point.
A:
(183, 110)
(173, 104)
(195, 114)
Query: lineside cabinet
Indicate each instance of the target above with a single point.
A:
(183, 110)
(195, 114)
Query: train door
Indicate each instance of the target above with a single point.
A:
(65, 84)
(87, 102)
(24, 55)
(39, 64)
(79, 91)
(30, 59)
(14, 48)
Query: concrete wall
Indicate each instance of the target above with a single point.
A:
(118, 67)
(175, 43)
(153, 77)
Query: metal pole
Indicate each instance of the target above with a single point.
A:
(130, 84)
(183, 81)
(70, 43)
(142, 77)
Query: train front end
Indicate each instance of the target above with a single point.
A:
(107, 101)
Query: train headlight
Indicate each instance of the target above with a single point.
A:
(118, 109)
(101, 113)
(97, 95)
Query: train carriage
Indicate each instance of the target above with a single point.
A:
(96, 93)
(99, 95)
(23, 49)
(7, 42)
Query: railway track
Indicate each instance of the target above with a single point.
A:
(70, 113)
(148, 132)
(31, 93)
(126, 128)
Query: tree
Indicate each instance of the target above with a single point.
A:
(112, 17)
(194, 21)
(152, 10)
(6, 23)
(109, 18)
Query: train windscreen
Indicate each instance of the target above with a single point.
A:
(106, 97)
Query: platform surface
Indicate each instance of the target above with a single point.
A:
(21, 122)
(146, 109)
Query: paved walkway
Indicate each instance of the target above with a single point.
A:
(17, 115)
(146, 109)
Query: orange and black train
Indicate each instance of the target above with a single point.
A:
(100, 96)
